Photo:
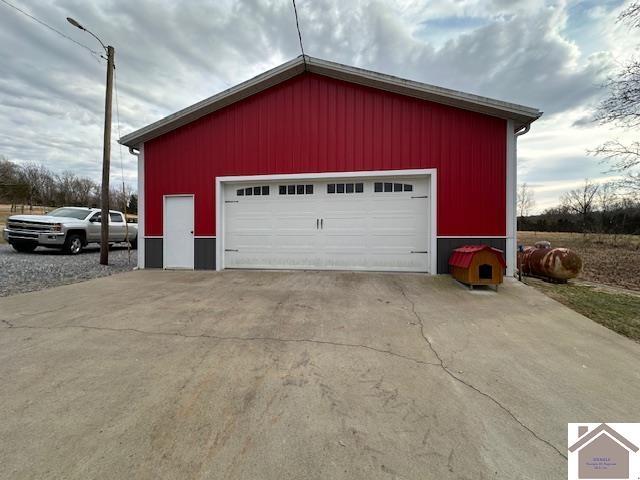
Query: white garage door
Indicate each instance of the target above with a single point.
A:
(355, 224)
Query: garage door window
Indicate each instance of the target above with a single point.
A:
(392, 187)
(345, 188)
(295, 189)
(262, 190)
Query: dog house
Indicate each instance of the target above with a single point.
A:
(477, 265)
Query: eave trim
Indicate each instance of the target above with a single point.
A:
(520, 114)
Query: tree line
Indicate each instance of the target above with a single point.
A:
(609, 207)
(621, 108)
(612, 207)
(31, 184)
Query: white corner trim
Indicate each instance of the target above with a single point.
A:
(511, 193)
(141, 235)
(431, 173)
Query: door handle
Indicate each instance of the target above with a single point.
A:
(317, 223)
(321, 223)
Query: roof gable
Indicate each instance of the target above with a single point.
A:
(521, 115)
(600, 430)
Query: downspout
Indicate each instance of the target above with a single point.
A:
(140, 239)
(519, 131)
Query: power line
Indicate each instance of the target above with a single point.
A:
(44, 24)
(124, 191)
(115, 85)
(295, 11)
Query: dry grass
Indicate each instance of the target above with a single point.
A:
(615, 310)
(607, 259)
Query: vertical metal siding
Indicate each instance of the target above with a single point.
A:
(314, 124)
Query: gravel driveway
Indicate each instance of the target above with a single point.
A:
(44, 268)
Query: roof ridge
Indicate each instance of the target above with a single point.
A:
(520, 114)
(593, 434)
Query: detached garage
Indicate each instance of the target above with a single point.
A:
(316, 165)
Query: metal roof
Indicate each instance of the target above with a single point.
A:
(520, 114)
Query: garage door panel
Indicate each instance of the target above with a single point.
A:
(294, 224)
(274, 261)
(344, 226)
(294, 244)
(363, 230)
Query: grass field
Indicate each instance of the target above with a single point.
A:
(607, 259)
(615, 310)
(605, 290)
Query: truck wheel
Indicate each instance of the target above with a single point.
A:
(24, 247)
(134, 244)
(73, 244)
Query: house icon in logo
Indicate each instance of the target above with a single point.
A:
(602, 453)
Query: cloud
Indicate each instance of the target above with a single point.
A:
(172, 54)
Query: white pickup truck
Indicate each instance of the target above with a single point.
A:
(67, 228)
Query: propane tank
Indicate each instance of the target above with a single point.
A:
(555, 264)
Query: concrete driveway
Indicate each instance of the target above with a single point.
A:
(281, 375)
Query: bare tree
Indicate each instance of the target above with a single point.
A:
(34, 184)
(119, 197)
(35, 176)
(12, 187)
(606, 203)
(631, 15)
(581, 201)
(621, 107)
(526, 200)
(8, 170)
(631, 184)
(607, 196)
(621, 157)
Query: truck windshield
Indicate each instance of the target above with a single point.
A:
(69, 212)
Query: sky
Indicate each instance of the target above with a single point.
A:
(552, 55)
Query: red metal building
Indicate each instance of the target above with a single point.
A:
(319, 165)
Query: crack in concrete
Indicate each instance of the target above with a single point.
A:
(223, 338)
(440, 362)
(53, 310)
(444, 368)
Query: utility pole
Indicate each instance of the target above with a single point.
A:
(106, 162)
(106, 149)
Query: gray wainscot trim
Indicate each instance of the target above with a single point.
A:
(205, 253)
(153, 252)
(447, 245)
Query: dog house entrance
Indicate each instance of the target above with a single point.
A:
(485, 272)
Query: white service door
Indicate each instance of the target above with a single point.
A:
(378, 224)
(178, 232)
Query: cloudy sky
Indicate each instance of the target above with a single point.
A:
(553, 55)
